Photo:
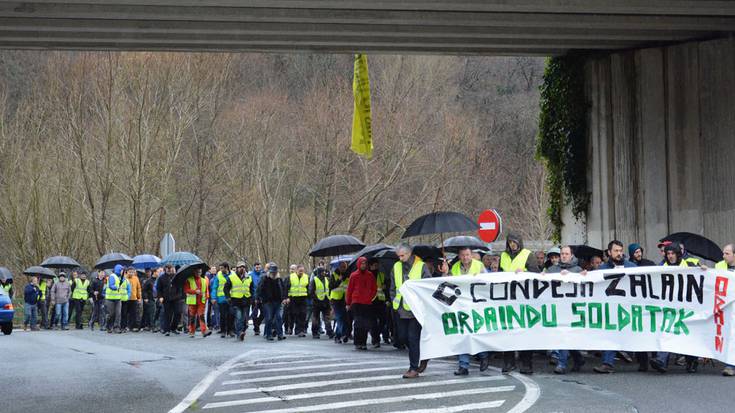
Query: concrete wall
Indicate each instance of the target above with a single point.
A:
(661, 145)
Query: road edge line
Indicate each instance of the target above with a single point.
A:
(533, 392)
(207, 381)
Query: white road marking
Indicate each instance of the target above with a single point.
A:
(317, 366)
(460, 408)
(301, 376)
(207, 381)
(295, 386)
(282, 363)
(358, 390)
(530, 396)
(397, 399)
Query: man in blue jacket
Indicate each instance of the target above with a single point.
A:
(256, 312)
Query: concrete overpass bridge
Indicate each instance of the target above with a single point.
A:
(507, 27)
(660, 77)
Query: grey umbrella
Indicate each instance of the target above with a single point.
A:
(39, 271)
(111, 260)
(60, 261)
(454, 244)
(336, 245)
(5, 274)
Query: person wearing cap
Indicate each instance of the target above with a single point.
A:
(195, 289)
(60, 295)
(221, 297)
(79, 294)
(635, 255)
(408, 267)
(553, 256)
(239, 288)
(674, 258)
(271, 295)
(319, 293)
(297, 286)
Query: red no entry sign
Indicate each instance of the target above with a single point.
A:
(490, 225)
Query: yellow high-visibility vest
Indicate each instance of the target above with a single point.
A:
(413, 274)
(191, 299)
(475, 268)
(320, 288)
(380, 281)
(80, 290)
(683, 263)
(517, 263)
(722, 265)
(111, 294)
(240, 288)
(123, 290)
(299, 286)
(338, 292)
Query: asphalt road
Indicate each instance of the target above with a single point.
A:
(83, 371)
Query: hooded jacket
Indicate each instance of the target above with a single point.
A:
(362, 287)
(531, 265)
(643, 262)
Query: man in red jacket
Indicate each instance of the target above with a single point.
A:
(359, 298)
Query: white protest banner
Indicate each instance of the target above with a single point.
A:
(676, 309)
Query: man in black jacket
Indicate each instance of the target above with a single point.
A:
(97, 294)
(149, 301)
(170, 296)
(271, 295)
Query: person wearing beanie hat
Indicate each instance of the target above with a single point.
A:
(271, 295)
(635, 255)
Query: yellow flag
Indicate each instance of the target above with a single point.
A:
(362, 131)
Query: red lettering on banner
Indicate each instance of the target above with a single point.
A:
(719, 316)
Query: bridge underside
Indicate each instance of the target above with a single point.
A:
(501, 27)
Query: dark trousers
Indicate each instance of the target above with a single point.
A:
(78, 306)
(348, 320)
(287, 319)
(526, 356)
(256, 314)
(297, 308)
(43, 312)
(364, 322)
(226, 320)
(124, 311)
(323, 310)
(240, 308)
(98, 314)
(410, 331)
(380, 317)
(158, 317)
(133, 322)
(149, 310)
(171, 315)
(273, 319)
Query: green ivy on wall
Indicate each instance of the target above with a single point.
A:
(562, 140)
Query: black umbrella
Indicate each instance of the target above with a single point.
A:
(427, 252)
(439, 223)
(463, 241)
(39, 271)
(5, 274)
(60, 261)
(187, 271)
(110, 260)
(369, 252)
(585, 252)
(697, 245)
(389, 255)
(336, 245)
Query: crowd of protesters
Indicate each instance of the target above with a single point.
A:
(345, 305)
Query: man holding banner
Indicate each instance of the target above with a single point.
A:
(466, 265)
(727, 263)
(409, 267)
(516, 259)
(677, 309)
